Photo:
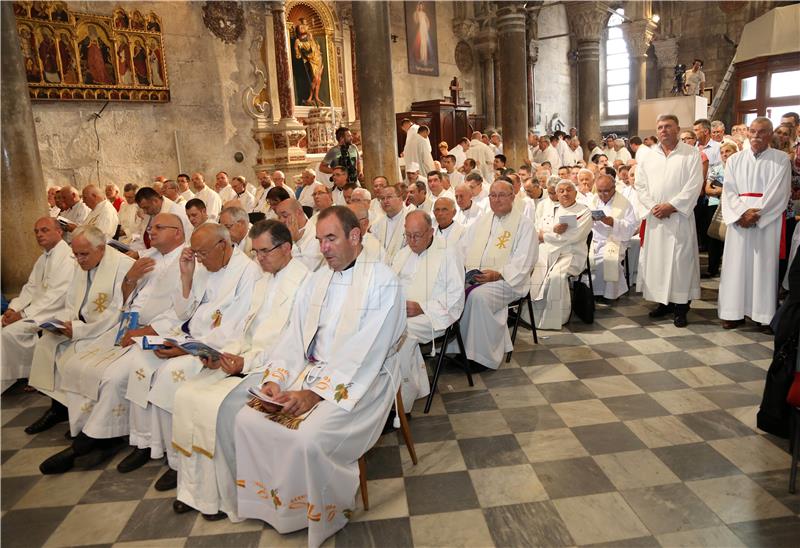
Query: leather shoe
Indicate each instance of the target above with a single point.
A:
(661, 310)
(215, 517)
(181, 507)
(135, 460)
(46, 421)
(731, 324)
(61, 462)
(100, 453)
(680, 320)
(169, 480)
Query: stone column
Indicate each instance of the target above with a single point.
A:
(587, 20)
(486, 44)
(513, 75)
(374, 57)
(531, 35)
(638, 35)
(667, 57)
(498, 88)
(278, 144)
(23, 188)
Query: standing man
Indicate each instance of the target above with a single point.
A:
(546, 153)
(418, 149)
(668, 183)
(754, 196)
(717, 131)
(344, 154)
(483, 156)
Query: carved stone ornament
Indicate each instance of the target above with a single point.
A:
(225, 20)
(465, 28)
(464, 57)
(587, 19)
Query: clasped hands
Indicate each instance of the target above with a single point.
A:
(749, 218)
(295, 402)
(663, 211)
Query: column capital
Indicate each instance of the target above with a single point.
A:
(486, 43)
(639, 34)
(511, 17)
(465, 28)
(533, 51)
(277, 6)
(666, 51)
(587, 19)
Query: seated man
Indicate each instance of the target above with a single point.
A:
(375, 209)
(40, 299)
(418, 197)
(206, 406)
(611, 235)
(305, 247)
(93, 303)
(209, 306)
(389, 228)
(372, 247)
(563, 233)
(74, 210)
(468, 212)
(102, 215)
(196, 212)
(152, 203)
(436, 186)
(335, 375)
(93, 381)
(237, 222)
(431, 273)
(502, 245)
(444, 209)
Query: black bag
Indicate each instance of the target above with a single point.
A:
(582, 301)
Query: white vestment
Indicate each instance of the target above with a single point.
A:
(76, 214)
(247, 200)
(560, 256)
(458, 152)
(611, 153)
(549, 154)
(435, 280)
(226, 194)
(306, 249)
(749, 282)
(201, 425)
(669, 269)
(509, 246)
(391, 233)
(214, 313)
(42, 297)
(261, 205)
(94, 300)
(573, 157)
(451, 234)
(484, 159)
(609, 244)
(97, 406)
(187, 195)
(130, 221)
(465, 217)
(624, 155)
(337, 195)
(104, 218)
(212, 201)
(418, 151)
(341, 344)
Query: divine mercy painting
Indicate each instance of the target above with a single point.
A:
(423, 51)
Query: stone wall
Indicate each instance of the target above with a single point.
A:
(553, 74)
(137, 141)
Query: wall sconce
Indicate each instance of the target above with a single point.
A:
(394, 38)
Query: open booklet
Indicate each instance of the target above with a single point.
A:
(119, 246)
(127, 321)
(257, 393)
(53, 325)
(187, 344)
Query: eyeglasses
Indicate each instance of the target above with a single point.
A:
(161, 227)
(264, 251)
(496, 195)
(415, 235)
(203, 254)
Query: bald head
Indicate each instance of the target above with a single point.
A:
(69, 195)
(48, 232)
(166, 232)
(92, 196)
(444, 209)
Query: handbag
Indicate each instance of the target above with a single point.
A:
(717, 228)
(582, 300)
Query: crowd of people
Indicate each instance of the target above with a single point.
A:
(257, 336)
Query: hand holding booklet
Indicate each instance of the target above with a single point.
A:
(56, 326)
(570, 220)
(195, 348)
(257, 393)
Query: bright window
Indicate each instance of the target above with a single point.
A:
(749, 88)
(784, 84)
(617, 68)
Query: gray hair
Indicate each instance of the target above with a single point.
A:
(718, 124)
(93, 235)
(763, 120)
(662, 117)
(309, 171)
(567, 182)
(237, 214)
(584, 170)
(361, 192)
(447, 199)
(218, 230)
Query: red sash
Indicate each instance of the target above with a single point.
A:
(641, 232)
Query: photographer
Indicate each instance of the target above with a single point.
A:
(344, 154)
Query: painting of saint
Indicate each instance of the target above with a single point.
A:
(153, 23)
(140, 64)
(423, 51)
(96, 64)
(68, 67)
(124, 62)
(156, 66)
(121, 20)
(28, 45)
(137, 21)
(49, 57)
(59, 13)
(306, 49)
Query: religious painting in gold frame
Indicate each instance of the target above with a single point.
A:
(71, 56)
(312, 49)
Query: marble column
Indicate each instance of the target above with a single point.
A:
(513, 76)
(486, 44)
(587, 21)
(531, 35)
(23, 188)
(374, 58)
(667, 57)
(638, 35)
(279, 143)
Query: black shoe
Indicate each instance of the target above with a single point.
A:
(181, 507)
(102, 451)
(214, 517)
(135, 460)
(61, 462)
(47, 421)
(680, 320)
(661, 310)
(169, 480)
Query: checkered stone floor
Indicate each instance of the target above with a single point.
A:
(624, 432)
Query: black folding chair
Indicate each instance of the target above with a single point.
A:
(515, 308)
(452, 331)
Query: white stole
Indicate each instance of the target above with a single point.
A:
(612, 249)
(498, 251)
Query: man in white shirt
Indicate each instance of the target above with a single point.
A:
(375, 210)
(339, 181)
(151, 203)
(459, 152)
(444, 210)
(610, 149)
(40, 299)
(573, 156)
(237, 222)
(436, 188)
(622, 153)
(260, 195)
(102, 215)
(546, 153)
(129, 214)
(52, 191)
(74, 210)
(640, 150)
(496, 143)
(246, 200)
(449, 165)
(419, 199)
(482, 154)
(196, 212)
(418, 149)
(480, 194)
(702, 130)
(170, 190)
(389, 228)
(468, 211)
(184, 188)
(209, 196)
(223, 188)
(307, 179)
(305, 247)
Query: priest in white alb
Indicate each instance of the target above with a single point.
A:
(94, 300)
(502, 245)
(668, 183)
(42, 297)
(206, 406)
(305, 247)
(389, 228)
(102, 215)
(334, 375)
(444, 211)
(210, 306)
(611, 235)
(431, 273)
(754, 197)
(562, 235)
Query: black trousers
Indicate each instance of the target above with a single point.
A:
(713, 246)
